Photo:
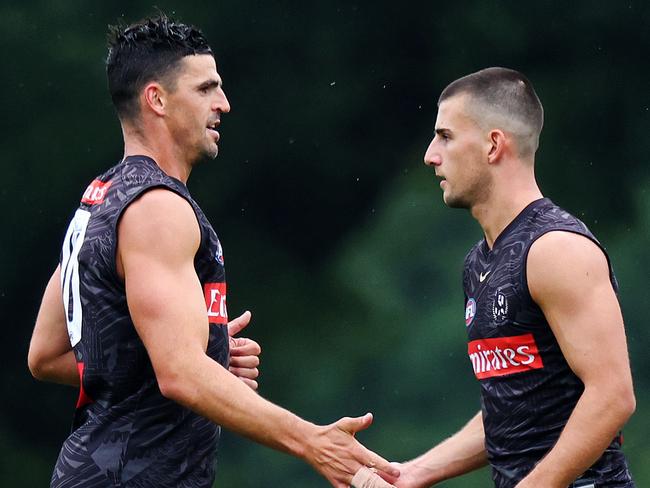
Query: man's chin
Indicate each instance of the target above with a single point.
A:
(208, 154)
(211, 152)
(452, 202)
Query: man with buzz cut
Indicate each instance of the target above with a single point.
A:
(135, 313)
(540, 303)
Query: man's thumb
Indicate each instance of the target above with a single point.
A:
(237, 325)
(352, 425)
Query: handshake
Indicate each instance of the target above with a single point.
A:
(335, 454)
(367, 478)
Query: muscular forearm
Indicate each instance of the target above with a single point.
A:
(213, 392)
(595, 421)
(460, 454)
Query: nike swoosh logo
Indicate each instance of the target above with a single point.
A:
(482, 276)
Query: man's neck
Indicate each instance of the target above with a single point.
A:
(502, 207)
(161, 152)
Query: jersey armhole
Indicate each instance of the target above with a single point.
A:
(113, 255)
(524, 274)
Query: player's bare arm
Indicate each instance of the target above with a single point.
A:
(568, 278)
(461, 453)
(50, 355)
(158, 237)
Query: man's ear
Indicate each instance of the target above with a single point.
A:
(154, 98)
(497, 145)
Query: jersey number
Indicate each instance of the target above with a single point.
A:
(74, 238)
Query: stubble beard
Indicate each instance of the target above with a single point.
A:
(477, 192)
(212, 153)
(457, 200)
(206, 154)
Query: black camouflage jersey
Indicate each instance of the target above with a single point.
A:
(528, 390)
(125, 433)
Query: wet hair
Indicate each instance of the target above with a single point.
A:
(148, 50)
(502, 98)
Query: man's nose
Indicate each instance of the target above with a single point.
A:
(431, 156)
(222, 104)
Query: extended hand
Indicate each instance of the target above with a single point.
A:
(408, 477)
(337, 455)
(367, 478)
(244, 353)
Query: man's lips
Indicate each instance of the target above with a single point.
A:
(212, 130)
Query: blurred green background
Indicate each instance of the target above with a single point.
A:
(334, 232)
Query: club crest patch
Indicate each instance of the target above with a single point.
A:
(500, 307)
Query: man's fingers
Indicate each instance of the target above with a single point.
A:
(252, 384)
(241, 346)
(378, 463)
(251, 373)
(236, 325)
(387, 477)
(244, 361)
(365, 478)
(352, 425)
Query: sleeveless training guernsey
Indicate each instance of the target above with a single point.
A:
(125, 433)
(528, 390)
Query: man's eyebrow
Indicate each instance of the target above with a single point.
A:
(210, 84)
(442, 130)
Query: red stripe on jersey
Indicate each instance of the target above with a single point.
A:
(84, 399)
(503, 356)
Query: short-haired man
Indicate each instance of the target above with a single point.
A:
(540, 304)
(139, 266)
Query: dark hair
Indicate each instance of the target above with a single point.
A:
(508, 93)
(150, 49)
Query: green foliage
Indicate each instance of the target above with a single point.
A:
(334, 232)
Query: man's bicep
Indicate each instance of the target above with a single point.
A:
(158, 239)
(568, 277)
(167, 310)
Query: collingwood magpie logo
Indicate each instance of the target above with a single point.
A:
(500, 307)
